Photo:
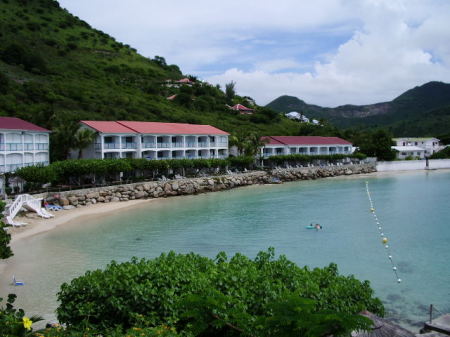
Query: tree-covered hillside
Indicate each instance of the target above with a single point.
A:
(55, 69)
(421, 111)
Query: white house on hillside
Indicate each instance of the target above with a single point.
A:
(307, 145)
(22, 144)
(152, 140)
(406, 145)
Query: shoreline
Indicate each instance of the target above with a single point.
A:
(37, 225)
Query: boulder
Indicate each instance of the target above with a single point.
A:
(64, 202)
(139, 195)
(92, 195)
(68, 207)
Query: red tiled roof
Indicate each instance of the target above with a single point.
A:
(170, 98)
(184, 80)
(14, 123)
(172, 128)
(108, 127)
(240, 107)
(305, 140)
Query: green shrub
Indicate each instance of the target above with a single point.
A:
(179, 290)
(443, 154)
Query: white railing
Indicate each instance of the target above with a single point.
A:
(28, 201)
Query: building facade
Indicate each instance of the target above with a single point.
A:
(22, 144)
(413, 152)
(430, 145)
(153, 140)
(305, 145)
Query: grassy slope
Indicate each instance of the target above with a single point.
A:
(86, 74)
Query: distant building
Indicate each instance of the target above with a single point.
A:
(243, 110)
(294, 115)
(403, 152)
(307, 145)
(179, 83)
(22, 144)
(430, 145)
(152, 140)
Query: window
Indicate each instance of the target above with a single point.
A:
(109, 140)
(128, 139)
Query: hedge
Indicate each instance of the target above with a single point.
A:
(300, 158)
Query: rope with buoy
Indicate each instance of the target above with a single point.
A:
(384, 239)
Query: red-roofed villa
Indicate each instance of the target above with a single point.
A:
(22, 144)
(154, 140)
(243, 110)
(306, 145)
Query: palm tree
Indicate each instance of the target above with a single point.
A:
(82, 139)
(238, 140)
(63, 139)
(253, 143)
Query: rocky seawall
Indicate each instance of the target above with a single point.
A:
(159, 189)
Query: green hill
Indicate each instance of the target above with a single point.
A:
(421, 111)
(56, 69)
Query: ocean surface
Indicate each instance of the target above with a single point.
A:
(413, 208)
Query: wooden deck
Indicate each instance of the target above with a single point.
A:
(440, 324)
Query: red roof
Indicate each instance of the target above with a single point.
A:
(108, 127)
(172, 128)
(153, 128)
(305, 140)
(14, 123)
(240, 107)
(184, 80)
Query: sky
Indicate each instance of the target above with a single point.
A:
(325, 52)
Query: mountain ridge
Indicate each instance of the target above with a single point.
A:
(420, 104)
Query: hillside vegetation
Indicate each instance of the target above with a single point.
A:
(421, 111)
(55, 69)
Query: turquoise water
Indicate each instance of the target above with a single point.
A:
(413, 208)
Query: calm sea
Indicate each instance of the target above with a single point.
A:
(414, 209)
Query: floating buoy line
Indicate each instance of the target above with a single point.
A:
(384, 239)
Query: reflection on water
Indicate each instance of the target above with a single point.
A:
(413, 209)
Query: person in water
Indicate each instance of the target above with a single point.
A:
(317, 226)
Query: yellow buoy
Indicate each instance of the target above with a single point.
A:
(372, 210)
(385, 240)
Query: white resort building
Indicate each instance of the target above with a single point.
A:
(22, 144)
(409, 146)
(153, 140)
(306, 145)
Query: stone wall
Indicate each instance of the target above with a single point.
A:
(158, 189)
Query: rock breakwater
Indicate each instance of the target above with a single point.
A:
(159, 189)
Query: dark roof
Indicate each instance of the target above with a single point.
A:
(14, 123)
(382, 328)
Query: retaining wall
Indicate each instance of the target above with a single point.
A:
(158, 189)
(408, 165)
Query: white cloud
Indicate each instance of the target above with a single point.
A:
(289, 47)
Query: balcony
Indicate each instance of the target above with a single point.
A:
(148, 145)
(41, 146)
(29, 146)
(202, 144)
(129, 145)
(2, 146)
(177, 144)
(13, 147)
(190, 144)
(212, 144)
(163, 145)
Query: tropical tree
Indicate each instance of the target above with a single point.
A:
(239, 141)
(63, 139)
(253, 142)
(83, 138)
(5, 237)
(230, 91)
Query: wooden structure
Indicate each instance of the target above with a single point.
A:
(382, 328)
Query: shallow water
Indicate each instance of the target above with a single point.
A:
(413, 209)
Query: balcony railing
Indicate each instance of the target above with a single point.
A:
(163, 145)
(41, 146)
(29, 146)
(212, 144)
(129, 145)
(177, 144)
(13, 147)
(2, 146)
(190, 144)
(202, 144)
(148, 145)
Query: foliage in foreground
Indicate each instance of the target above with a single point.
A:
(220, 297)
(13, 322)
